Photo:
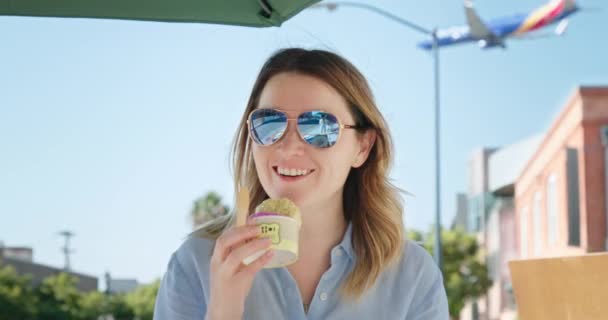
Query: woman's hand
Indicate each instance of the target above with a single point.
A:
(230, 279)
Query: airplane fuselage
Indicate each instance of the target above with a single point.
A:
(496, 30)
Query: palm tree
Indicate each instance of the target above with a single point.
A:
(207, 207)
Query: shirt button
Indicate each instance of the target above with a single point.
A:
(339, 253)
(323, 296)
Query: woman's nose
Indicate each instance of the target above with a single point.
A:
(291, 141)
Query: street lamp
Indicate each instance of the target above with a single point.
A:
(331, 6)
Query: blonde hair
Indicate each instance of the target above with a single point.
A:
(371, 202)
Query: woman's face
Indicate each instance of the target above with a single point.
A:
(326, 169)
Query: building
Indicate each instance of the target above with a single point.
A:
(491, 216)
(561, 194)
(17, 253)
(21, 258)
(540, 197)
(500, 243)
(120, 285)
(460, 218)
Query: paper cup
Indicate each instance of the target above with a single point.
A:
(284, 233)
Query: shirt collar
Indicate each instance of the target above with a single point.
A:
(347, 241)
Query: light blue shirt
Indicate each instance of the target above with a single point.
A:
(412, 289)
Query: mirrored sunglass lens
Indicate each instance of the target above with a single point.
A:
(318, 128)
(267, 126)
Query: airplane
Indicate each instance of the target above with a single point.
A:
(493, 33)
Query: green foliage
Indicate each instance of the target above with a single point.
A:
(58, 298)
(141, 301)
(92, 305)
(207, 207)
(118, 307)
(465, 275)
(16, 297)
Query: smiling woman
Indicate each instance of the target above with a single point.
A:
(311, 133)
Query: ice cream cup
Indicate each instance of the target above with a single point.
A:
(284, 233)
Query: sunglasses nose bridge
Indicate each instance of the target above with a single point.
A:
(291, 138)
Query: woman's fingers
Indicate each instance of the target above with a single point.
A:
(232, 238)
(258, 264)
(234, 261)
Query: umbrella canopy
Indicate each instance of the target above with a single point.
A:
(252, 13)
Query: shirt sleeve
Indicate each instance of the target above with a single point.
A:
(178, 296)
(431, 302)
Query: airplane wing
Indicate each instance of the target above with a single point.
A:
(478, 27)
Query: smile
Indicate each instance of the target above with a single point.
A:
(292, 172)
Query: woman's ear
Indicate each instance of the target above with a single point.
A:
(366, 142)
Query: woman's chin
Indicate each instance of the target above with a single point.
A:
(298, 197)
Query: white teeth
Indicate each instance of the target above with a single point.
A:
(292, 172)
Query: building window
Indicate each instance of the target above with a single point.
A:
(475, 311)
(523, 232)
(474, 214)
(536, 227)
(552, 219)
(572, 185)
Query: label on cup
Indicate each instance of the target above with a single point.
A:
(283, 233)
(272, 231)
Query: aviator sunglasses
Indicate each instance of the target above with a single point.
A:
(317, 128)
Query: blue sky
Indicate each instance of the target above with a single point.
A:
(112, 128)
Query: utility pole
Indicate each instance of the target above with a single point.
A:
(66, 248)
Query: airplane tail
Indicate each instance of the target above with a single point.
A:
(569, 4)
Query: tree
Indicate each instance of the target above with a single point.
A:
(92, 305)
(58, 298)
(465, 276)
(141, 301)
(118, 307)
(17, 299)
(207, 207)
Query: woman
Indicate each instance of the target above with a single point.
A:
(329, 151)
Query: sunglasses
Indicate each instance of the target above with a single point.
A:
(317, 128)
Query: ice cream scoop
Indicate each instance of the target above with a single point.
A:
(283, 206)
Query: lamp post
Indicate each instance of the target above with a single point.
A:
(435, 51)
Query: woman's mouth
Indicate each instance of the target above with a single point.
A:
(292, 174)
